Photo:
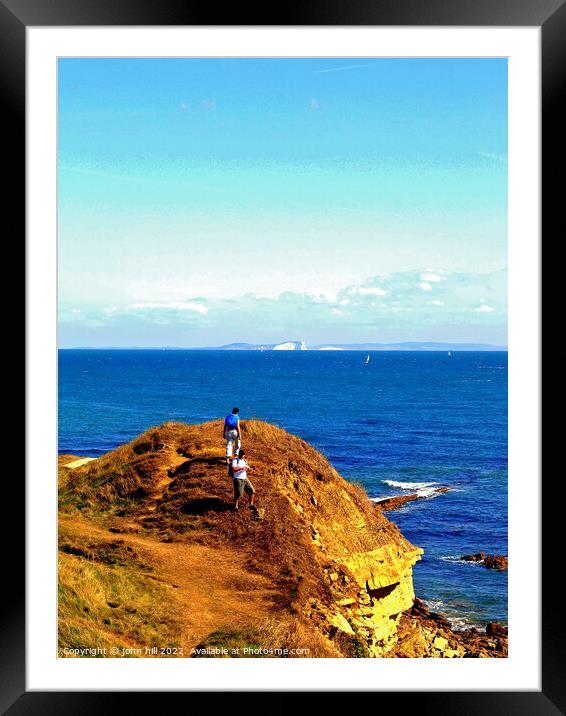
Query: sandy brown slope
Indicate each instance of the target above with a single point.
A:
(212, 587)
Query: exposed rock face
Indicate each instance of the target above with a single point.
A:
(380, 588)
(290, 346)
(423, 633)
(491, 561)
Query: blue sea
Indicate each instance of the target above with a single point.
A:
(403, 422)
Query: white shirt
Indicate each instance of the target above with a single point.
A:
(239, 467)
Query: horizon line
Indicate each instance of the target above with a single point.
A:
(315, 347)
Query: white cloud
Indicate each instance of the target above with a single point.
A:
(371, 291)
(173, 306)
(76, 310)
(265, 296)
(431, 277)
(208, 103)
(314, 103)
(314, 308)
(322, 295)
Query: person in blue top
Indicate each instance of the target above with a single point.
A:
(232, 434)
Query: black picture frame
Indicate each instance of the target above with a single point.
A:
(15, 17)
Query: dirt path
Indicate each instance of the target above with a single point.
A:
(213, 587)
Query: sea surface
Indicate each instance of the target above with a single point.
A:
(403, 422)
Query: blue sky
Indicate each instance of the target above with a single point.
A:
(327, 200)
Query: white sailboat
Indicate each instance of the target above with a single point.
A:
(367, 359)
(449, 354)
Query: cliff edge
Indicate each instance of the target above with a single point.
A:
(318, 567)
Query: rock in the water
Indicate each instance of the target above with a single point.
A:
(479, 557)
(491, 561)
(495, 561)
(393, 503)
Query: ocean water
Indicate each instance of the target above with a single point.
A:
(406, 421)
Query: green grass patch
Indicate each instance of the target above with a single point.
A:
(107, 603)
(236, 644)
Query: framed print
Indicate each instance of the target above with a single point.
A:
(274, 274)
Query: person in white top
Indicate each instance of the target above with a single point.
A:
(239, 470)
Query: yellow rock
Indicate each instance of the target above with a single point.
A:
(413, 645)
(340, 622)
(79, 463)
(366, 612)
(440, 643)
(346, 602)
(449, 653)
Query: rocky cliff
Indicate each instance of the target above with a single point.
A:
(327, 560)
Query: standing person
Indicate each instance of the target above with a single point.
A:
(239, 471)
(232, 434)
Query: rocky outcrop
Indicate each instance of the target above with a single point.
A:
(423, 633)
(370, 591)
(498, 562)
(491, 561)
(387, 504)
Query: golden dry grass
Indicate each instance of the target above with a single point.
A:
(282, 637)
(107, 598)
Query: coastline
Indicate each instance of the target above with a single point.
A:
(419, 631)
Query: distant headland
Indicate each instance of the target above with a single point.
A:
(422, 346)
(404, 346)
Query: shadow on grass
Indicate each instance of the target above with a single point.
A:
(203, 505)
